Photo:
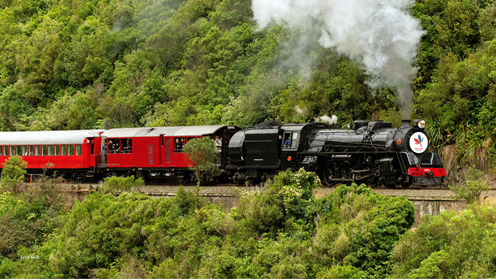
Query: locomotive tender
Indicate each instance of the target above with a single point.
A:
(370, 152)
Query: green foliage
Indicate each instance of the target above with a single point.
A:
(473, 188)
(451, 245)
(201, 152)
(342, 272)
(13, 172)
(114, 185)
(166, 62)
(362, 229)
(28, 219)
(280, 232)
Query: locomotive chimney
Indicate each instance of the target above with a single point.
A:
(405, 123)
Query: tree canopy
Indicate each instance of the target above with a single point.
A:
(201, 152)
(282, 232)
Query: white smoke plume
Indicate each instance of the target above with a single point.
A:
(301, 111)
(380, 34)
(326, 119)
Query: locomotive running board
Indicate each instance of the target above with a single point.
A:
(343, 153)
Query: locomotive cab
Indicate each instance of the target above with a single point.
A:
(293, 142)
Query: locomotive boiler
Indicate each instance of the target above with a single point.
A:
(372, 152)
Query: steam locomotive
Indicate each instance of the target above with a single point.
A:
(371, 152)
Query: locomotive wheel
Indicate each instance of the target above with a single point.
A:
(345, 171)
(329, 174)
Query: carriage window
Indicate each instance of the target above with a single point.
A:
(70, 149)
(178, 144)
(43, 150)
(50, 150)
(1, 150)
(78, 150)
(57, 150)
(5, 150)
(63, 150)
(127, 146)
(12, 150)
(31, 150)
(24, 150)
(37, 150)
(114, 146)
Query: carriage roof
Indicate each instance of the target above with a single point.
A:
(175, 131)
(47, 137)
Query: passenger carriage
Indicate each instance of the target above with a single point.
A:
(69, 152)
(152, 152)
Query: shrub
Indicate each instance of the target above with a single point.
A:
(473, 188)
(13, 172)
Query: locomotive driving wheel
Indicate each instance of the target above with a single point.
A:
(329, 174)
(345, 170)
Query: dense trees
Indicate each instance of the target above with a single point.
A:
(283, 232)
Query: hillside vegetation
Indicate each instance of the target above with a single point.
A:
(116, 63)
(282, 231)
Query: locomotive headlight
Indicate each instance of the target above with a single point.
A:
(419, 123)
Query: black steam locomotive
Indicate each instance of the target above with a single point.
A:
(371, 152)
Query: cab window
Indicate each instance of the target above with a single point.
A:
(290, 140)
(294, 140)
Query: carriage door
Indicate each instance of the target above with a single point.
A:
(167, 149)
(103, 153)
(150, 154)
(161, 150)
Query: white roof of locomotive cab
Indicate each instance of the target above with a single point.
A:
(178, 131)
(47, 137)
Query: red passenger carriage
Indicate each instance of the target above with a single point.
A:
(152, 151)
(72, 152)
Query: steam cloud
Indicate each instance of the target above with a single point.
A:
(380, 34)
(326, 119)
(301, 111)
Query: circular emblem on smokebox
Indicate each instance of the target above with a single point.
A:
(289, 158)
(419, 142)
